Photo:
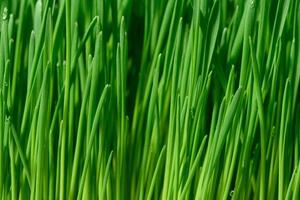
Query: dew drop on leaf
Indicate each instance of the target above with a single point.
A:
(4, 15)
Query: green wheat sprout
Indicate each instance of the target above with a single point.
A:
(149, 99)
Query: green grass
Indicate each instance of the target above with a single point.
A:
(149, 99)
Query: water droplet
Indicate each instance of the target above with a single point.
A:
(231, 193)
(4, 15)
(192, 113)
(252, 4)
(273, 132)
(7, 118)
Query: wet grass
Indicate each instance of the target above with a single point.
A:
(128, 99)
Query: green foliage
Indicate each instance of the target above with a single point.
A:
(145, 99)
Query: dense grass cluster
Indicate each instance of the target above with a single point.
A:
(149, 99)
